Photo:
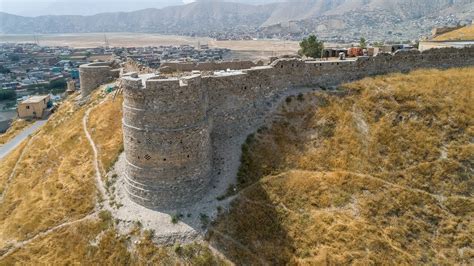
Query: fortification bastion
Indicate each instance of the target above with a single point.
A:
(174, 129)
(167, 141)
(95, 74)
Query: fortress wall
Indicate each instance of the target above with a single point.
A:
(171, 118)
(95, 74)
(207, 66)
(167, 141)
(236, 101)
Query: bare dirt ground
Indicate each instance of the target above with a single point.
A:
(250, 48)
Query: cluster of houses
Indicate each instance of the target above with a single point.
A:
(368, 51)
(154, 56)
(28, 65)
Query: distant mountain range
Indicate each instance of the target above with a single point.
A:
(330, 18)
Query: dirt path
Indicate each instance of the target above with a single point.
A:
(17, 245)
(98, 175)
(25, 242)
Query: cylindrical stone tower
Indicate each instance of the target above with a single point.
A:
(167, 141)
(95, 74)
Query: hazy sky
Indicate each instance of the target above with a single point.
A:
(91, 7)
(79, 7)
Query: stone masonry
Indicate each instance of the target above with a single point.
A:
(167, 122)
(95, 74)
(168, 141)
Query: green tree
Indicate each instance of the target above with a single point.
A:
(7, 94)
(4, 70)
(311, 47)
(363, 43)
(58, 84)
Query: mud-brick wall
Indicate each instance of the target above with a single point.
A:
(95, 74)
(167, 141)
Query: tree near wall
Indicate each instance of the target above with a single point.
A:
(58, 84)
(363, 43)
(311, 47)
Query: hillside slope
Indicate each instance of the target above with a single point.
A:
(51, 205)
(462, 34)
(381, 171)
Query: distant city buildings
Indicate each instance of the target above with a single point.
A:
(30, 66)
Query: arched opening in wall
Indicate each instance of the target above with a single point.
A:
(292, 65)
(187, 156)
(281, 66)
(164, 159)
(245, 87)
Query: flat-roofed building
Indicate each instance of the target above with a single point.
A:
(34, 107)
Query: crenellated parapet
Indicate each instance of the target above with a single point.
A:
(167, 141)
(95, 74)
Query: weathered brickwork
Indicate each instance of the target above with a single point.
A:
(167, 138)
(95, 74)
(167, 130)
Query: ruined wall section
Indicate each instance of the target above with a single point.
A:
(167, 141)
(95, 74)
(207, 66)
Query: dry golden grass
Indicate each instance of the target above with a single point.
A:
(54, 180)
(462, 34)
(8, 163)
(16, 127)
(55, 184)
(97, 242)
(106, 130)
(379, 173)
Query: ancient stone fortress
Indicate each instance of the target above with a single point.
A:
(173, 127)
(95, 74)
(167, 138)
